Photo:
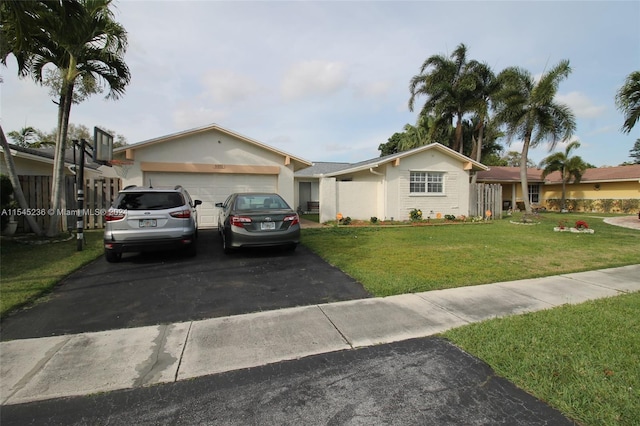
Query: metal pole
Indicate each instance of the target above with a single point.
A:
(80, 189)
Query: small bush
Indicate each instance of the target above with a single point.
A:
(345, 221)
(373, 219)
(606, 205)
(630, 205)
(415, 214)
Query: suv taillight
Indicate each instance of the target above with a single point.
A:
(182, 214)
(239, 221)
(293, 219)
(111, 215)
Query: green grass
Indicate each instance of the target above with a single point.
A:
(583, 360)
(397, 260)
(29, 271)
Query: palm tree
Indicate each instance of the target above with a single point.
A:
(486, 88)
(628, 101)
(25, 137)
(78, 37)
(635, 152)
(450, 84)
(528, 110)
(569, 167)
(15, 183)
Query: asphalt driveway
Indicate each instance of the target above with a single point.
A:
(165, 287)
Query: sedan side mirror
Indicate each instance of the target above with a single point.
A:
(196, 203)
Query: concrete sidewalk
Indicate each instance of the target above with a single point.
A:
(87, 363)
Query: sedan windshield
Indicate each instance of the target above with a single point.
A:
(257, 202)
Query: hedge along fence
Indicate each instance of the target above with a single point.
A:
(604, 205)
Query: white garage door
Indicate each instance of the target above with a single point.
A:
(212, 188)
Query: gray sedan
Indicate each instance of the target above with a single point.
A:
(257, 220)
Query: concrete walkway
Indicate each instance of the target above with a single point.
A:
(87, 363)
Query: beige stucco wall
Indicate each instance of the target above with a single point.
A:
(358, 199)
(455, 201)
(383, 191)
(328, 199)
(215, 149)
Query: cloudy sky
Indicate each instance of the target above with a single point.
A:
(328, 80)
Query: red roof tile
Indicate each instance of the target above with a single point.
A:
(508, 174)
(602, 174)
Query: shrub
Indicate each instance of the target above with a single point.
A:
(588, 205)
(449, 217)
(415, 214)
(553, 203)
(606, 205)
(373, 219)
(581, 224)
(345, 221)
(630, 205)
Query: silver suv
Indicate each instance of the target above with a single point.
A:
(148, 219)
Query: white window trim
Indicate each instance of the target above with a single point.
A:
(428, 194)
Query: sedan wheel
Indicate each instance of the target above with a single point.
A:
(227, 249)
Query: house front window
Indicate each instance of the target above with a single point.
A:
(534, 194)
(426, 183)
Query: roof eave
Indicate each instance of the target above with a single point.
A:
(299, 163)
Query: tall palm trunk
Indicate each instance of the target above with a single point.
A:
(564, 188)
(478, 148)
(57, 186)
(15, 182)
(523, 173)
(458, 144)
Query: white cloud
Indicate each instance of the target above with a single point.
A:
(375, 89)
(226, 86)
(187, 117)
(314, 78)
(581, 105)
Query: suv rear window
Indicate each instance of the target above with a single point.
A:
(149, 201)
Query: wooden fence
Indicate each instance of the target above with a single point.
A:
(485, 200)
(99, 194)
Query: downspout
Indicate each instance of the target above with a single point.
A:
(384, 192)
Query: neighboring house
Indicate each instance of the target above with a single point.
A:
(610, 189)
(509, 178)
(39, 162)
(211, 162)
(432, 178)
(35, 170)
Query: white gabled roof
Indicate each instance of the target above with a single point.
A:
(375, 162)
(300, 162)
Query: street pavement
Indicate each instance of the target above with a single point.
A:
(89, 363)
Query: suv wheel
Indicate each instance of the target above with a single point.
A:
(192, 249)
(112, 257)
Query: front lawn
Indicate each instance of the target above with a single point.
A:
(583, 359)
(396, 260)
(29, 271)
